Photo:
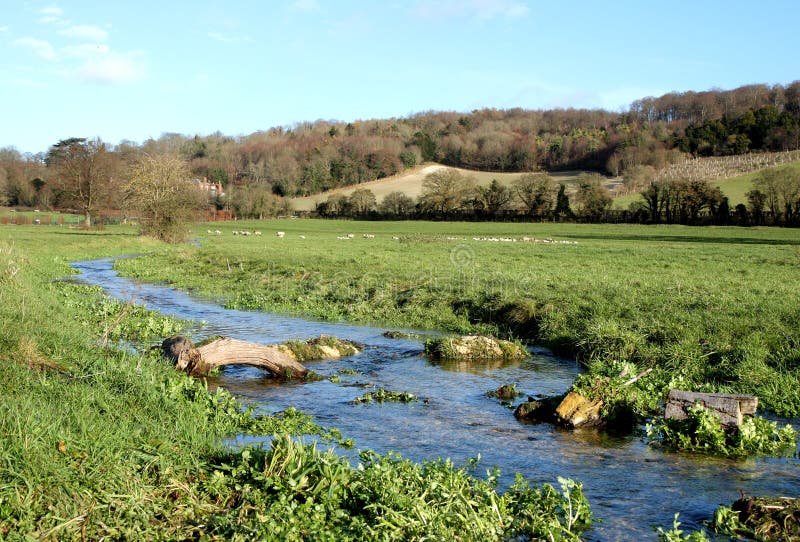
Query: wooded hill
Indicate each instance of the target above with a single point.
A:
(312, 157)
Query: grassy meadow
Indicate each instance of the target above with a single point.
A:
(708, 308)
(101, 443)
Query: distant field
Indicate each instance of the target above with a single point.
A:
(735, 188)
(410, 183)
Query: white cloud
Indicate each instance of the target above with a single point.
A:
(474, 9)
(40, 48)
(85, 32)
(3, 29)
(111, 69)
(51, 15)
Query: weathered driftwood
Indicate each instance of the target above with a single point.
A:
(729, 408)
(200, 361)
(282, 360)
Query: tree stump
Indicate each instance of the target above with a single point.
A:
(729, 408)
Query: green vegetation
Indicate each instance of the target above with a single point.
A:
(384, 396)
(99, 443)
(473, 347)
(702, 431)
(708, 309)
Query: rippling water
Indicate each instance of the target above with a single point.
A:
(630, 486)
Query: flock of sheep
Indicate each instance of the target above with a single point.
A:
(281, 234)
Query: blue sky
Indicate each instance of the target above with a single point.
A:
(135, 70)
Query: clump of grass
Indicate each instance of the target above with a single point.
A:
(473, 347)
(384, 396)
(322, 347)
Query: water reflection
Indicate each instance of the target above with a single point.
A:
(630, 485)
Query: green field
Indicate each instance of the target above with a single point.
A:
(103, 443)
(98, 443)
(709, 308)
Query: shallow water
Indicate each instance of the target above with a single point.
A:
(630, 486)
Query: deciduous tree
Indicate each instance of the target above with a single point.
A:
(161, 190)
(537, 192)
(362, 201)
(592, 198)
(444, 191)
(84, 174)
(396, 204)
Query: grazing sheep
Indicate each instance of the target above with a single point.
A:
(350, 235)
(208, 231)
(280, 234)
(302, 237)
(343, 237)
(256, 233)
(396, 238)
(369, 236)
(235, 232)
(217, 232)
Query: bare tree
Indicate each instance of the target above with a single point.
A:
(161, 190)
(84, 174)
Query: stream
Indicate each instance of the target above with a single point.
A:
(630, 486)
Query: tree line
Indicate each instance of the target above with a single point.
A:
(312, 157)
(258, 170)
(450, 194)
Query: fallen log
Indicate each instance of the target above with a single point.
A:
(281, 360)
(729, 408)
(225, 351)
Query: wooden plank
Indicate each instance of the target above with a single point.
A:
(730, 408)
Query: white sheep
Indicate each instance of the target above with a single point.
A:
(302, 237)
(256, 233)
(369, 236)
(280, 234)
(350, 235)
(217, 232)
